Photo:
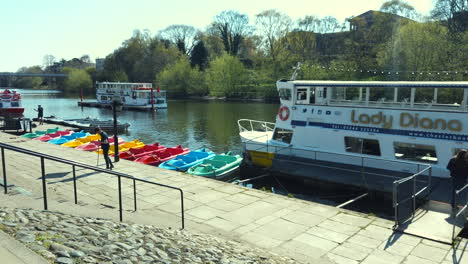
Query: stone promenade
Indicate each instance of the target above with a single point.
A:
(306, 231)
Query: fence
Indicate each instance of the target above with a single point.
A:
(85, 166)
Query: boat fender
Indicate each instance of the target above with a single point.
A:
(283, 113)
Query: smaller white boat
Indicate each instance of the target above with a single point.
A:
(141, 96)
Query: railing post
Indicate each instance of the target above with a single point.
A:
(44, 187)
(120, 198)
(182, 208)
(414, 196)
(74, 185)
(5, 184)
(395, 201)
(134, 195)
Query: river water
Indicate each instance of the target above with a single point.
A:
(190, 123)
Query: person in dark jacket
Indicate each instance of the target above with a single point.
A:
(458, 167)
(105, 147)
(40, 114)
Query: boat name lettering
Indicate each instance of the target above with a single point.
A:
(407, 120)
(377, 119)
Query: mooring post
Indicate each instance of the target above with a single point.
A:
(5, 185)
(44, 187)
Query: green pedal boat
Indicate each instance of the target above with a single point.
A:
(218, 167)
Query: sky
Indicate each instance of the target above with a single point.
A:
(67, 29)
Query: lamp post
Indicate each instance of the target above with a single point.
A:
(116, 107)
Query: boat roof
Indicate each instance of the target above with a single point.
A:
(409, 84)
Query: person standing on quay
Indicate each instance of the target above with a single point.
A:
(105, 146)
(458, 167)
(40, 114)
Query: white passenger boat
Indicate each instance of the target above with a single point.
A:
(328, 130)
(139, 96)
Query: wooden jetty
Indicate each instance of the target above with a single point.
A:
(89, 124)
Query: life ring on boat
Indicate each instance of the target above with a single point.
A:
(283, 113)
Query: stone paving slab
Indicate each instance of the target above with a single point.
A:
(308, 231)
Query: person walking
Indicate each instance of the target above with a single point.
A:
(105, 146)
(40, 114)
(458, 167)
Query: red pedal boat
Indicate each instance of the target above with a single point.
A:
(161, 155)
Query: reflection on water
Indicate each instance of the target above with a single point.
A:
(193, 124)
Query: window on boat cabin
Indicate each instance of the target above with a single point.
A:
(14, 104)
(301, 96)
(285, 94)
(103, 98)
(311, 95)
(1, 105)
(415, 152)
(362, 146)
(283, 135)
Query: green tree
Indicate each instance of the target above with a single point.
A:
(226, 77)
(417, 47)
(181, 80)
(78, 80)
(199, 56)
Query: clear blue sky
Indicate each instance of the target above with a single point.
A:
(66, 29)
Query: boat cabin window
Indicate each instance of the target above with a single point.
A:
(14, 104)
(415, 152)
(285, 94)
(104, 98)
(362, 146)
(312, 95)
(283, 135)
(301, 96)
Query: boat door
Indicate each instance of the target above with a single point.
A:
(321, 94)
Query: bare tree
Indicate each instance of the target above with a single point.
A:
(329, 24)
(309, 23)
(48, 60)
(232, 27)
(455, 12)
(399, 7)
(273, 26)
(182, 36)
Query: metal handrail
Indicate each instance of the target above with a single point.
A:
(414, 194)
(74, 164)
(457, 212)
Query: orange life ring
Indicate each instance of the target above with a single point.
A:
(283, 113)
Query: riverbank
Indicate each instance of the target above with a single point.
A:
(307, 232)
(64, 238)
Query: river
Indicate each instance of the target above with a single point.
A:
(190, 123)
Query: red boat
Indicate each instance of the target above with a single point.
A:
(149, 160)
(47, 137)
(10, 103)
(90, 146)
(135, 153)
(161, 155)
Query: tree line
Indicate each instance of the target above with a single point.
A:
(238, 58)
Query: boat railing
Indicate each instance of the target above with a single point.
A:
(406, 192)
(255, 125)
(74, 165)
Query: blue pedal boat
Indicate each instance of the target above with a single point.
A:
(64, 139)
(185, 162)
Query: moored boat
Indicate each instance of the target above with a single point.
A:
(10, 103)
(184, 162)
(365, 134)
(140, 96)
(220, 166)
(162, 155)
